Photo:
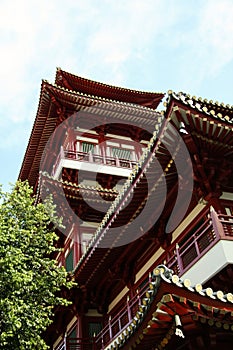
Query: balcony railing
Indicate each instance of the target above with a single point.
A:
(77, 344)
(180, 257)
(211, 228)
(114, 327)
(92, 158)
(227, 224)
(122, 320)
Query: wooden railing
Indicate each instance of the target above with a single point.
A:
(227, 224)
(121, 320)
(114, 327)
(81, 344)
(92, 158)
(179, 257)
(77, 344)
(188, 252)
(211, 228)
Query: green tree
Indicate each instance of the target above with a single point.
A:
(29, 278)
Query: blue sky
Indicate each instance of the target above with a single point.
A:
(153, 45)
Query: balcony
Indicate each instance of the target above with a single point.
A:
(213, 229)
(91, 162)
(121, 322)
(214, 232)
(114, 327)
(77, 344)
(195, 258)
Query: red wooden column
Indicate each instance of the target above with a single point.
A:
(138, 147)
(179, 259)
(102, 143)
(215, 203)
(217, 225)
(77, 245)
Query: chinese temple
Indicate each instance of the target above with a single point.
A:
(146, 197)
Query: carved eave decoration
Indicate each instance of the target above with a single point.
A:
(57, 103)
(207, 130)
(90, 87)
(173, 311)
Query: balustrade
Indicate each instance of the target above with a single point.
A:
(185, 254)
(81, 344)
(77, 344)
(121, 320)
(92, 158)
(180, 257)
(227, 224)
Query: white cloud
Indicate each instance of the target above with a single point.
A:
(101, 39)
(35, 38)
(130, 27)
(216, 33)
(207, 46)
(179, 44)
(79, 36)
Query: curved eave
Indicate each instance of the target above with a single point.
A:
(218, 112)
(72, 99)
(73, 190)
(90, 87)
(54, 98)
(209, 124)
(30, 166)
(87, 265)
(167, 295)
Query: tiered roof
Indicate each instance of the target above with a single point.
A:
(210, 126)
(170, 309)
(110, 92)
(57, 102)
(210, 123)
(63, 190)
(221, 111)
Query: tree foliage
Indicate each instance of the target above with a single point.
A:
(29, 278)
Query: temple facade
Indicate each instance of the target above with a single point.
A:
(146, 197)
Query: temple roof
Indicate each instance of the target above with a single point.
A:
(71, 93)
(209, 126)
(170, 309)
(57, 103)
(90, 87)
(63, 190)
(73, 190)
(147, 183)
(220, 112)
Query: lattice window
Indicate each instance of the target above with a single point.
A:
(87, 147)
(121, 153)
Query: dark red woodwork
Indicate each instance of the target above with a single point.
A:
(110, 264)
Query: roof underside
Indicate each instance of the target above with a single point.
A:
(58, 103)
(210, 132)
(200, 313)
